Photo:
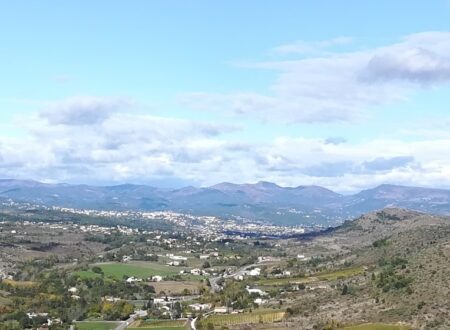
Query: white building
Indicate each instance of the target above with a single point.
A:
(254, 272)
(157, 278)
(256, 291)
(73, 290)
(200, 307)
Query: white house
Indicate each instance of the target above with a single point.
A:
(133, 279)
(259, 301)
(254, 272)
(221, 310)
(200, 307)
(196, 271)
(157, 278)
(73, 290)
(256, 291)
(178, 258)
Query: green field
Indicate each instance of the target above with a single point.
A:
(139, 269)
(95, 325)
(244, 318)
(377, 326)
(158, 325)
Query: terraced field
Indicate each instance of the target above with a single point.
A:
(325, 276)
(377, 326)
(244, 318)
(159, 325)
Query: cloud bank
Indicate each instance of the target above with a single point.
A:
(336, 86)
(104, 140)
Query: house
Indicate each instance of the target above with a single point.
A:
(157, 278)
(32, 315)
(73, 290)
(133, 279)
(256, 291)
(159, 301)
(111, 299)
(140, 313)
(222, 310)
(53, 321)
(200, 307)
(203, 257)
(196, 271)
(178, 258)
(259, 301)
(254, 272)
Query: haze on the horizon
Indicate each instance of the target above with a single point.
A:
(345, 95)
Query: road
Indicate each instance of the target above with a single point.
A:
(193, 321)
(124, 324)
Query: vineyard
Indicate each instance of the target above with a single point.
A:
(159, 325)
(244, 318)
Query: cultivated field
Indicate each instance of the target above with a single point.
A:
(245, 318)
(175, 287)
(96, 325)
(325, 276)
(139, 269)
(159, 325)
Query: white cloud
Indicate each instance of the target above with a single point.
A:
(304, 47)
(338, 86)
(128, 147)
(83, 110)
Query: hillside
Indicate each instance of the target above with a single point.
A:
(405, 258)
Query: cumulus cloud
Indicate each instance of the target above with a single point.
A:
(140, 148)
(83, 110)
(415, 65)
(339, 86)
(387, 164)
(335, 140)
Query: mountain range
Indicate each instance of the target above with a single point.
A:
(260, 201)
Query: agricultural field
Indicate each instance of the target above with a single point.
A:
(324, 276)
(4, 301)
(177, 287)
(96, 325)
(19, 284)
(159, 325)
(244, 318)
(139, 269)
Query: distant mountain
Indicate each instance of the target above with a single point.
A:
(262, 200)
(415, 198)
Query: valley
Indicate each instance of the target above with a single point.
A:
(386, 269)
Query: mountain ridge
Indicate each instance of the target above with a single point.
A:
(262, 200)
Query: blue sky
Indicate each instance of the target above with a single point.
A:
(342, 94)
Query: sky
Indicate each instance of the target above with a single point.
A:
(343, 94)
